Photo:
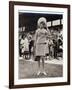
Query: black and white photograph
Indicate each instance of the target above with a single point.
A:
(39, 47)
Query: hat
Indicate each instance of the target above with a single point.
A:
(42, 19)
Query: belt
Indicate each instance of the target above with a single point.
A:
(42, 43)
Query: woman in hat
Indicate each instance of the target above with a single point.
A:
(40, 43)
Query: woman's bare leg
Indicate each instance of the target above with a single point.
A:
(39, 64)
(43, 63)
(38, 58)
(43, 66)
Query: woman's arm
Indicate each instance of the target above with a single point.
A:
(36, 35)
(48, 34)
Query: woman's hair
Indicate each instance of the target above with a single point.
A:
(43, 21)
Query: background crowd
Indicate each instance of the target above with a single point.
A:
(54, 45)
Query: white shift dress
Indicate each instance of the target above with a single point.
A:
(40, 42)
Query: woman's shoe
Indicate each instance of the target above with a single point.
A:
(38, 73)
(44, 73)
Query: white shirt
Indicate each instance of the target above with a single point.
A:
(25, 44)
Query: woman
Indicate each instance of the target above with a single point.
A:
(40, 43)
(25, 46)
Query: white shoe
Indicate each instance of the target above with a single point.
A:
(38, 73)
(45, 73)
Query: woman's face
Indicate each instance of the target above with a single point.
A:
(41, 25)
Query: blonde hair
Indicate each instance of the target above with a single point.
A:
(42, 20)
